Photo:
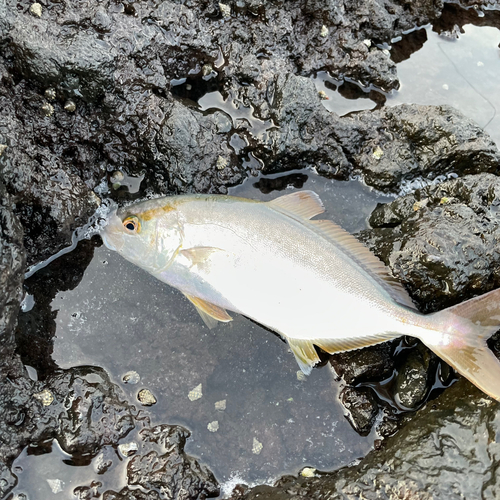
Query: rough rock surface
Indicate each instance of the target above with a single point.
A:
(441, 241)
(454, 430)
(387, 146)
(171, 472)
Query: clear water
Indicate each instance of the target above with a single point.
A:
(122, 319)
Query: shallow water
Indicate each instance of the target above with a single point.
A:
(121, 319)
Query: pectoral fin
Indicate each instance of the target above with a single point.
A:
(198, 255)
(210, 313)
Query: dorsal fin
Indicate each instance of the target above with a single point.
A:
(304, 204)
(365, 258)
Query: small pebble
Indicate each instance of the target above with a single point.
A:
(131, 377)
(206, 69)
(48, 109)
(45, 397)
(117, 177)
(308, 472)
(324, 31)
(480, 63)
(420, 204)
(367, 42)
(3, 147)
(50, 94)
(256, 447)
(36, 9)
(225, 10)
(322, 95)
(70, 106)
(221, 163)
(196, 393)
(128, 449)
(220, 405)
(445, 86)
(378, 153)
(213, 426)
(146, 397)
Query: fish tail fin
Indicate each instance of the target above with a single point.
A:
(465, 330)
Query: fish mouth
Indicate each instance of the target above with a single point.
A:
(112, 232)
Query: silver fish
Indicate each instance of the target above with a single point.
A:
(308, 280)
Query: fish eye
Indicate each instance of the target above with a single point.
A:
(132, 224)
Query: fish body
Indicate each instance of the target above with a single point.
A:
(308, 280)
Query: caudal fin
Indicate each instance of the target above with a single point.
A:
(466, 327)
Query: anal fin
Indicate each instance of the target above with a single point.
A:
(306, 354)
(210, 313)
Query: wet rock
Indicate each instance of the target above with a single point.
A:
(375, 363)
(12, 266)
(362, 407)
(414, 377)
(425, 141)
(445, 449)
(88, 411)
(447, 250)
(131, 494)
(173, 473)
(388, 146)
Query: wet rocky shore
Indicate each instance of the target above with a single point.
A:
(95, 93)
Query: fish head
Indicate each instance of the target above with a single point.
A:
(144, 234)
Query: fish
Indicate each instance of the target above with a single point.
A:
(306, 279)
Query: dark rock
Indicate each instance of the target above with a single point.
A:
(87, 492)
(129, 494)
(88, 411)
(14, 387)
(362, 365)
(388, 146)
(445, 451)
(445, 247)
(362, 407)
(12, 266)
(414, 377)
(173, 473)
(404, 142)
(51, 195)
